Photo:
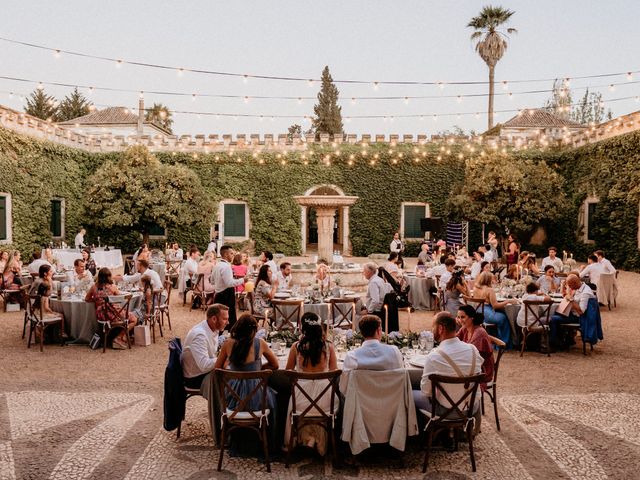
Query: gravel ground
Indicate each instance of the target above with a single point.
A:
(71, 412)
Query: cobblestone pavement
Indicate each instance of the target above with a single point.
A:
(73, 413)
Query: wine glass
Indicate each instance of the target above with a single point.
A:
(414, 345)
(423, 345)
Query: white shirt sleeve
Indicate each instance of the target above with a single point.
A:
(200, 353)
(135, 278)
(350, 362)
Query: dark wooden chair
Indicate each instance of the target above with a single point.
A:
(536, 319)
(163, 307)
(152, 316)
(289, 312)
(173, 271)
(39, 322)
(198, 291)
(478, 304)
(24, 300)
(240, 416)
(491, 390)
(459, 416)
(438, 296)
(313, 414)
(343, 313)
(189, 392)
(113, 315)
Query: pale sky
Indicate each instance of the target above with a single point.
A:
(371, 40)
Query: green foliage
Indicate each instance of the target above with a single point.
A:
(560, 102)
(328, 117)
(160, 115)
(41, 105)
(138, 192)
(510, 193)
(73, 106)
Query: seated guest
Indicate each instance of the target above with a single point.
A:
(200, 348)
(528, 263)
(376, 290)
(420, 269)
(449, 265)
(322, 277)
(471, 331)
(476, 268)
(11, 274)
(266, 257)
(102, 288)
(312, 354)
(531, 295)
(4, 258)
(143, 253)
(17, 262)
(392, 266)
(424, 254)
(549, 283)
(143, 269)
(79, 277)
(435, 256)
(454, 289)
(552, 260)
(89, 263)
(42, 286)
(592, 271)
(239, 270)
(441, 267)
(284, 276)
(451, 356)
(206, 267)
(36, 262)
(190, 267)
(513, 273)
(606, 264)
(373, 355)
(244, 352)
(578, 295)
(492, 308)
(264, 291)
(176, 252)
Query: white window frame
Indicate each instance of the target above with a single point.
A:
(427, 213)
(159, 237)
(63, 215)
(247, 223)
(9, 239)
(585, 218)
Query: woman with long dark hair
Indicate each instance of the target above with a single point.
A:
(264, 290)
(471, 331)
(455, 288)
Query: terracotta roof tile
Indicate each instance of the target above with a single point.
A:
(539, 118)
(107, 116)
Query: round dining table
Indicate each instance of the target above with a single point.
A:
(80, 317)
(512, 310)
(419, 295)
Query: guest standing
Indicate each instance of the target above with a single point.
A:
(239, 270)
(224, 283)
(79, 240)
(454, 289)
(397, 246)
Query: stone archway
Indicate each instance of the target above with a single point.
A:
(329, 203)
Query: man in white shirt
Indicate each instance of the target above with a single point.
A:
(34, 266)
(488, 253)
(373, 355)
(578, 295)
(376, 290)
(224, 284)
(449, 265)
(532, 296)
(478, 258)
(200, 348)
(553, 260)
(606, 264)
(190, 267)
(79, 240)
(593, 270)
(176, 252)
(266, 257)
(424, 254)
(79, 277)
(452, 358)
(143, 270)
(441, 268)
(284, 276)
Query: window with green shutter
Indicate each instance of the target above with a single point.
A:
(235, 220)
(157, 231)
(412, 216)
(591, 217)
(3, 218)
(56, 218)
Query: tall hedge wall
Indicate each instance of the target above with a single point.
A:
(34, 172)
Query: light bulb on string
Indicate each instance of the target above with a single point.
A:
(375, 85)
(141, 95)
(629, 76)
(505, 85)
(246, 99)
(612, 88)
(245, 78)
(193, 97)
(441, 85)
(310, 83)
(406, 100)
(459, 98)
(40, 86)
(118, 63)
(91, 89)
(299, 100)
(180, 71)
(56, 53)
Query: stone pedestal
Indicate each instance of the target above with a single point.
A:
(325, 219)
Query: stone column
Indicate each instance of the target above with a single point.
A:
(345, 231)
(325, 221)
(303, 229)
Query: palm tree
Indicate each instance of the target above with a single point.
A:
(491, 42)
(160, 115)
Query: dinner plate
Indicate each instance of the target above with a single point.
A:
(281, 295)
(418, 360)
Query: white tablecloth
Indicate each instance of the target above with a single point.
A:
(512, 315)
(419, 295)
(103, 258)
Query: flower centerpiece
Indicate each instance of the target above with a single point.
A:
(287, 336)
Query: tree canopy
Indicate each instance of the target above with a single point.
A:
(160, 115)
(139, 192)
(73, 106)
(515, 194)
(328, 113)
(41, 105)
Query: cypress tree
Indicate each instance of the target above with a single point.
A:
(328, 113)
(41, 105)
(73, 106)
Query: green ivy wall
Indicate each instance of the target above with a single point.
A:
(34, 172)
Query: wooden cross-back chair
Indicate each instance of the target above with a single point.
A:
(458, 416)
(112, 315)
(240, 416)
(343, 313)
(492, 386)
(153, 315)
(536, 320)
(173, 270)
(313, 414)
(39, 322)
(163, 306)
(198, 291)
(289, 311)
